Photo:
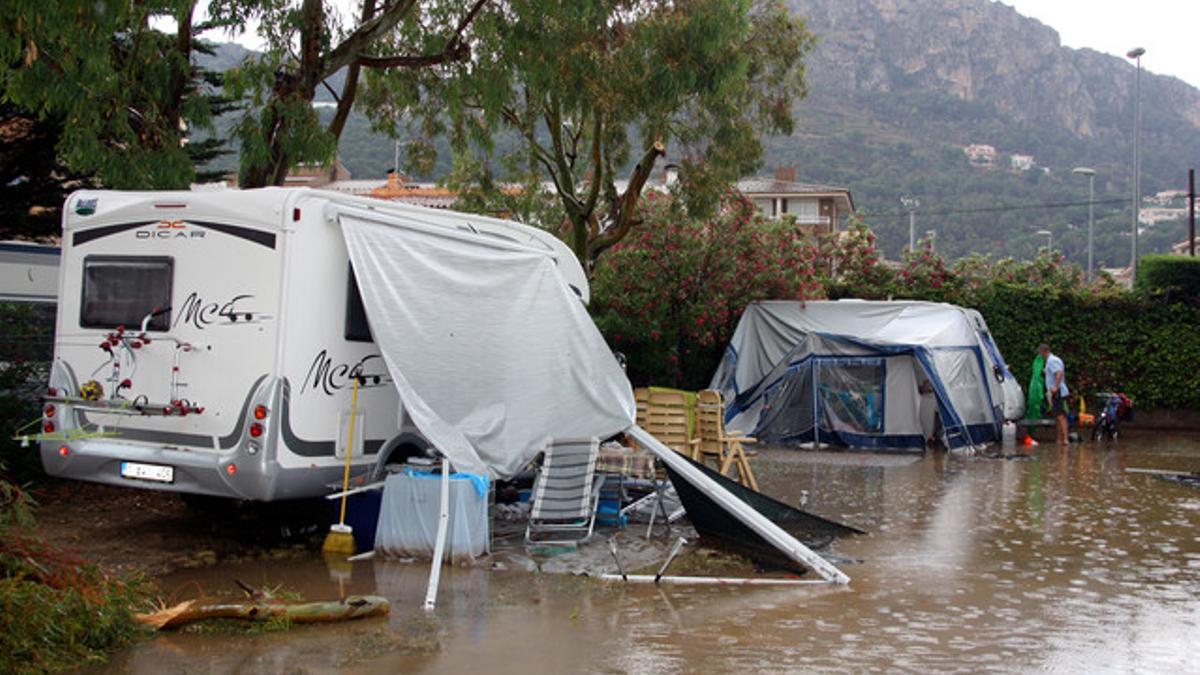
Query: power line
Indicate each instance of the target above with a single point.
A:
(995, 209)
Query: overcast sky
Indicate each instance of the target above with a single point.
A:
(1168, 29)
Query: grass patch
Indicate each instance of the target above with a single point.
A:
(275, 624)
(56, 610)
(704, 562)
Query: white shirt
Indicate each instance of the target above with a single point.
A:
(1054, 365)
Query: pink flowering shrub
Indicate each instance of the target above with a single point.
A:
(670, 295)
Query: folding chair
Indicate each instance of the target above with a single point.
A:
(713, 444)
(565, 493)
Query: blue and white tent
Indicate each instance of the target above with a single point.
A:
(866, 374)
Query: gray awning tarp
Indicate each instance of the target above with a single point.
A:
(492, 353)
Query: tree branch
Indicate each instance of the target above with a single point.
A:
(626, 205)
(345, 102)
(364, 36)
(455, 50)
(597, 170)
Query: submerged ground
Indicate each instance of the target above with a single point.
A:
(1062, 562)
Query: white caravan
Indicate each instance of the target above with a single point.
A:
(207, 342)
(28, 272)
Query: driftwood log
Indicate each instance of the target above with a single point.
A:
(263, 606)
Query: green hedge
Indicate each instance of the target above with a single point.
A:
(1143, 346)
(1175, 276)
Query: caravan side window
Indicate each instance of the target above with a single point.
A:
(357, 328)
(124, 290)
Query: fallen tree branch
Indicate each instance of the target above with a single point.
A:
(261, 606)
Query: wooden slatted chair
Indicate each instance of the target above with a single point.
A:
(714, 446)
(641, 396)
(667, 420)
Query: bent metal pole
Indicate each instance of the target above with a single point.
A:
(762, 526)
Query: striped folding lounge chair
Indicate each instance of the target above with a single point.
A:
(565, 493)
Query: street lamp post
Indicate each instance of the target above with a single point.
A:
(1091, 176)
(912, 204)
(1136, 54)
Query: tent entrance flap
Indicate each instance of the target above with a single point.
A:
(492, 353)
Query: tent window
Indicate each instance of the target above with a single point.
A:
(124, 290)
(357, 328)
(850, 392)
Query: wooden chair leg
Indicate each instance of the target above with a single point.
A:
(726, 460)
(746, 474)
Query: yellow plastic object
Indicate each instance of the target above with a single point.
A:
(340, 539)
(1086, 419)
(91, 391)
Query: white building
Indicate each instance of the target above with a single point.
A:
(821, 206)
(980, 155)
(1021, 163)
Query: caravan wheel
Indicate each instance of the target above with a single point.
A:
(398, 450)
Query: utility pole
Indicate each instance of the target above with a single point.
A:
(1136, 55)
(1091, 176)
(1192, 212)
(912, 204)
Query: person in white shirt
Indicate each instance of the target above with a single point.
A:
(1056, 391)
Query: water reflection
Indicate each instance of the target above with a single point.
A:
(1065, 562)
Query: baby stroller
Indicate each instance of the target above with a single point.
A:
(1117, 408)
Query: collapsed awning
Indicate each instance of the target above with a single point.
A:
(491, 351)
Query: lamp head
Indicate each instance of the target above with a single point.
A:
(1136, 53)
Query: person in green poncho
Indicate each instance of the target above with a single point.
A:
(1036, 401)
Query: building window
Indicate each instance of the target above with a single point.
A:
(783, 205)
(358, 329)
(807, 212)
(124, 291)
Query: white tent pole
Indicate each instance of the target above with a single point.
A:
(708, 581)
(775, 535)
(439, 548)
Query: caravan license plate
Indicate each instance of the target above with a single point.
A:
(152, 472)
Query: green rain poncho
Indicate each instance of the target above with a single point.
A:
(1037, 390)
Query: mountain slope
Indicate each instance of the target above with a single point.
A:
(898, 87)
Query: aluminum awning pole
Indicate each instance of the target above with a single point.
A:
(762, 526)
(439, 548)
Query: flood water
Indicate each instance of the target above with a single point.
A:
(1064, 563)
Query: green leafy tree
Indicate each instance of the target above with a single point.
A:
(101, 94)
(119, 95)
(598, 90)
(308, 46)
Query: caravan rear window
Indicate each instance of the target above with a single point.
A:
(122, 291)
(357, 328)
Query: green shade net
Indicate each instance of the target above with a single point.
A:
(1037, 390)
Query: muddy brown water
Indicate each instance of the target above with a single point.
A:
(1061, 563)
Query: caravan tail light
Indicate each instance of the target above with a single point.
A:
(260, 412)
(64, 451)
(231, 469)
(48, 427)
(49, 410)
(256, 430)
